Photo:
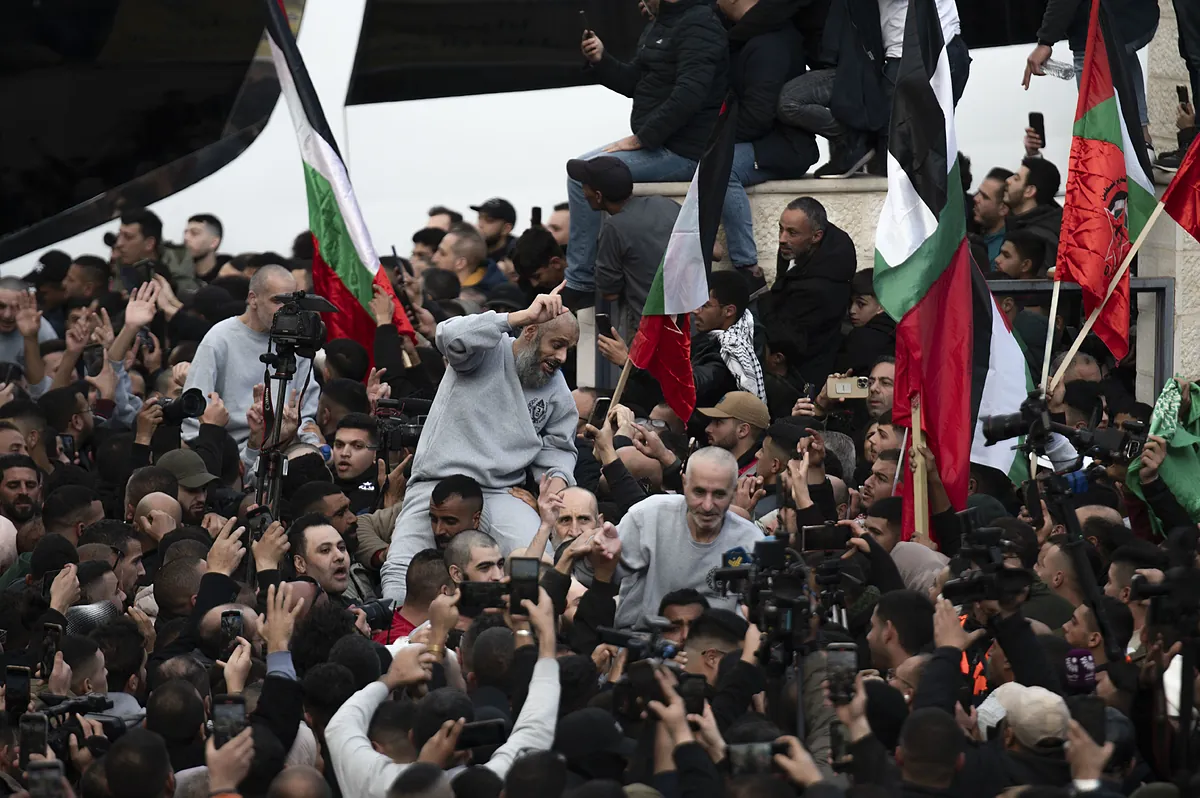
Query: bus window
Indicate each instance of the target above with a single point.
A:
(417, 49)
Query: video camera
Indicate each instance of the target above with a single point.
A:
(297, 325)
(1112, 444)
(641, 645)
(62, 716)
(985, 547)
(400, 423)
(774, 589)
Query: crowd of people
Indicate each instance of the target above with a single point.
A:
(483, 577)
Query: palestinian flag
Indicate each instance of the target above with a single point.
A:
(923, 270)
(345, 266)
(663, 343)
(1000, 380)
(1110, 193)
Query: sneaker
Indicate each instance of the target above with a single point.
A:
(1169, 161)
(846, 162)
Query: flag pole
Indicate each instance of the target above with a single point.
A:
(1046, 359)
(1112, 286)
(624, 378)
(920, 476)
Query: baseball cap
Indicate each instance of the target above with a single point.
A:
(110, 239)
(497, 208)
(608, 175)
(1036, 716)
(188, 468)
(590, 731)
(742, 405)
(506, 297)
(52, 268)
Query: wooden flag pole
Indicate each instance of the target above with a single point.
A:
(1112, 286)
(624, 378)
(1046, 360)
(920, 476)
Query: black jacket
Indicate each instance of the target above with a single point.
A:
(810, 300)
(1044, 222)
(863, 345)
(677, 79)
(766, 51)
(1135, 19)
(712, 376)
(853, 43)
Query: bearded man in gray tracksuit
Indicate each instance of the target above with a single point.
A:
(503, 410)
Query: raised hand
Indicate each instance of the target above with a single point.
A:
(376, 388)
(143, 305)
(29, 318)
(382, 306)
(215, 413)
(230, 763)
(591, 47)
(282, 611)
(227, 550)
(545, 307)
(255, 419)
(270, 549)
(396, 481)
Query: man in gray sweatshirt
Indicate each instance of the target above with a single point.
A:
(502, 410)
(227, 361)
(670, 543)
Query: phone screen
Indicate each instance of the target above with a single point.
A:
(45, 779)
(33, 736)
(66, 444)
(229, 718)
(600, 411)
(481, 733)
(51, 635)
(604, 325)
(16, 690)
(48, 581)
(753, 758)
(523, 582)
(692, 688)
(93, 359)
(841, 662)
(232, 627)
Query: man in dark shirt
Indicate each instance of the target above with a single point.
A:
(497, 218)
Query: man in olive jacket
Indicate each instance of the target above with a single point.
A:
(677, 80)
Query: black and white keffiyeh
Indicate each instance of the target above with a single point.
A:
(737, 350)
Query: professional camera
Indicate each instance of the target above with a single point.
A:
(61, 714)
(1174, 602)
(297, 324)
(1113, 444)
(191, 404)
(379, 613)
(399, 424)
(641, 645)
(986, 547)
(774, 589)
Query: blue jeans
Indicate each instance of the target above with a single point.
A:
(646, 166)
(739, 224)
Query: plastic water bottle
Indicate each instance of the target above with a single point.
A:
(1058, 69)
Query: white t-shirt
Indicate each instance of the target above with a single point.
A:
(892, 14)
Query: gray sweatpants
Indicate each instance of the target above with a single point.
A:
(512, 523)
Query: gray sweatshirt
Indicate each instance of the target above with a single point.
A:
(660, 555)
(484, 423)
(227, 362)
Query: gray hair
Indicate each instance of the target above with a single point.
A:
(716, 456)
(1080, 359)
(13, 284)
(258, 283)
(458, 552)
(814, 210)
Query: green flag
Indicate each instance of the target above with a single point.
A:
(1180, 470)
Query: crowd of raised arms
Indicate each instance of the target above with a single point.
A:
(469, 575)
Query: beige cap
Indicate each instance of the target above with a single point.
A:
(1037, 716)
(742, 405)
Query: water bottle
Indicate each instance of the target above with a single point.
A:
(1058, 69)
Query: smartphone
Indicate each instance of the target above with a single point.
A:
(1033, 502)
(1089, 712)
(48, 582)
(232, 627)
(34, 732)
(841, 666)
(45, 779)
(1038, 123)
(753, 758)
(522, 582)
(535, 219)
(848, 387)
(600, 411)
(604, 325)
(51, 637)
(482, 733)
(838, 746)
(692, 689)
(257, 521)
(824, 537)
(479, 596)
(1182, 91)
(66, 445)
(93, 359)
(228, 717)
(147, 341)
(16, 690)
(587, 29)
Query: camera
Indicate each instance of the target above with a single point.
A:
(398, 423)
(774, 589)
(297, 324)
(379, 613)
(190, 404)
(62, 715)
(641, 645)
(1000, 584)
(1113, 444)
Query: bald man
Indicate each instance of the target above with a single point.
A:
(227, 361)
(580, 512)
(155, 515)
(299, 781)
(502, 410)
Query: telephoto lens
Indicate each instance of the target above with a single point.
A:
(191, 404)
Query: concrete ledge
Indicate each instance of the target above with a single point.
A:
(853, 204)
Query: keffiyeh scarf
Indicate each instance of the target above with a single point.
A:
(737, 350)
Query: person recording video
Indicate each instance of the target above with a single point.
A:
(502, 411)
(227, 359)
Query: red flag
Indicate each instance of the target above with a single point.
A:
(1181, 200)
(663, 349)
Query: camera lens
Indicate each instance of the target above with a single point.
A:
(191, 404)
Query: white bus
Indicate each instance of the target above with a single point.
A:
(173, 105)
